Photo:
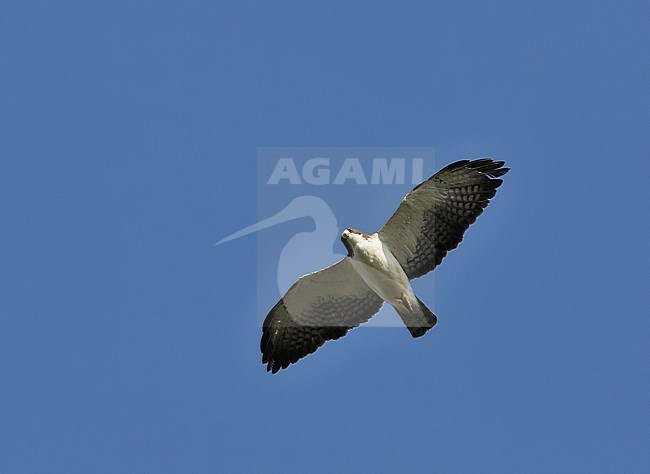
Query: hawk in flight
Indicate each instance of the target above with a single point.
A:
(429, 222)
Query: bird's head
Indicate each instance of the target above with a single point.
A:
(350, 238)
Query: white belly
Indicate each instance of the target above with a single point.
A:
(382, 272)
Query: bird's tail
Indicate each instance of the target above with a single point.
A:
(418, 320)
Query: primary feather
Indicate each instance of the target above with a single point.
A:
(429, 222)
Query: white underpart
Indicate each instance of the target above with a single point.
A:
(381, 271)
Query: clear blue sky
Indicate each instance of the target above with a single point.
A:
(128, 342)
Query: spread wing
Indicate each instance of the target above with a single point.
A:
(431, 220)
(320, 306)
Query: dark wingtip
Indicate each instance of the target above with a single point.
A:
(486, 166)
(499, 172)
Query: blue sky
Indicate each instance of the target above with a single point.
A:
(129, 342)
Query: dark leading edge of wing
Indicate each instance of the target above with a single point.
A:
(432, 218)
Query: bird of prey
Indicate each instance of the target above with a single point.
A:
(429, 222)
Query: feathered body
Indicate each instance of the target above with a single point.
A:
(381, 271)
(429, 222)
